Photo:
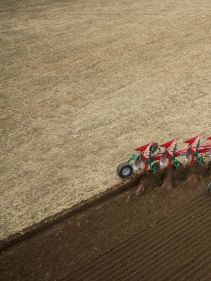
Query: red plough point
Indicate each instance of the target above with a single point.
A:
(192, 152)
(150, 156)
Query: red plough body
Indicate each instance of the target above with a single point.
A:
(151, 155)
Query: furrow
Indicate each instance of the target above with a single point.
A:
(100, 262)
(153, 247)
(199, 262)
(148, 266)
(202, 272)
(198, 230)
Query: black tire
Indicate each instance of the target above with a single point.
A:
(124, 170)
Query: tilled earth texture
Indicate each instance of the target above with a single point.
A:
(159, 232)
(83, 82)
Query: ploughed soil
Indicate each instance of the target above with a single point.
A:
(157, 229)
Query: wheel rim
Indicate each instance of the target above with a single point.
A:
(126, 171)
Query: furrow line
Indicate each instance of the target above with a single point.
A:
(149, 264)
(206, 230)
(136, 236)
(154, 246)
(203, 255)
(185, 253)
(203, 272)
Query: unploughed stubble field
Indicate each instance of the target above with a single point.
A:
(83, 83)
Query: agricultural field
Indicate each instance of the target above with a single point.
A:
(161, 234)
(82, 84)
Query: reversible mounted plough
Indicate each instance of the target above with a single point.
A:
(151, 156)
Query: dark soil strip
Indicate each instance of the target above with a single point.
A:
(175, 252)
(158, 236)
(66, 214)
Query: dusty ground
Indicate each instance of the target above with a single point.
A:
(162, 234)
(82, 83)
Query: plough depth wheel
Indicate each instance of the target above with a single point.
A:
(124, 170)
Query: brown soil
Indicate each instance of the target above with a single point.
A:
(159, 232)
(83, 82)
